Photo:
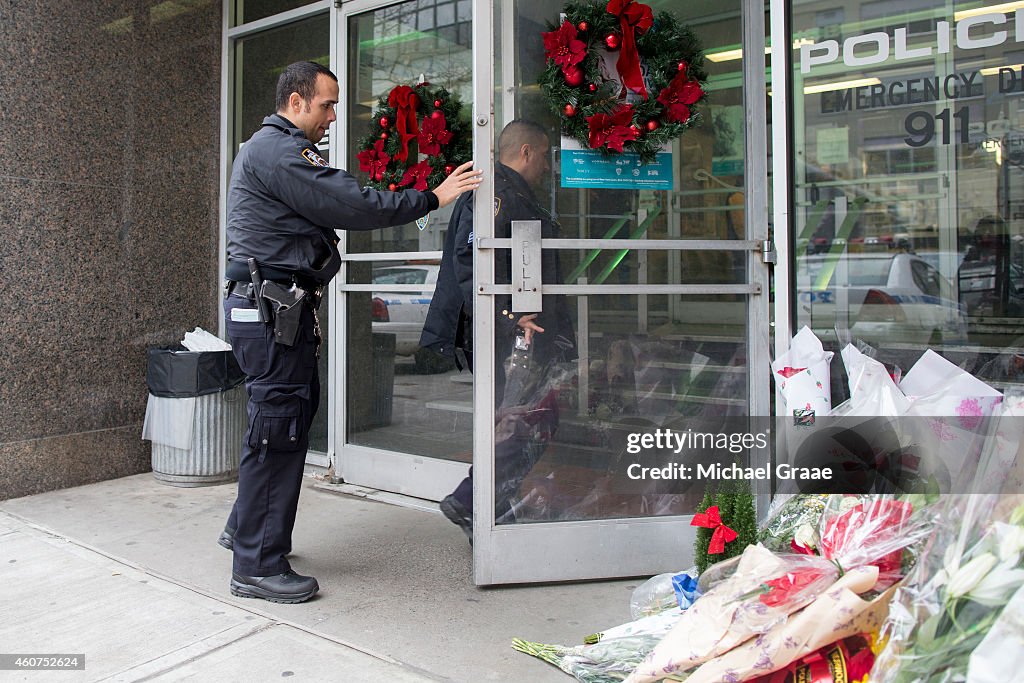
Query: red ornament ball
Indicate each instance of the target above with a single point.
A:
(583, 26)
(437, 103)
(613, 41)
(436, 114)
(681, 66)
(448, 169)
(574, 76)
(383, 136)
(384, 122)
(593, 87)
(392, 187)
(634, 128)
(652, 125)
(569, 110)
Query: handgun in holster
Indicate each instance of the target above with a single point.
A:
(287, 305)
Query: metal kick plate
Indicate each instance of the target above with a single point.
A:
(526, 271)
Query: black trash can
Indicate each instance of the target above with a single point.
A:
(196, 417)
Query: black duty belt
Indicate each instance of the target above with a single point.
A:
(239, 271)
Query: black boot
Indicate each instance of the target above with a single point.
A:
(457, 514)
(288, 587)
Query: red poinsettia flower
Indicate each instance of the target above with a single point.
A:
(613, 130)
(417, 175)
(433, 134)
(563, 47)
(677, 97)
(374, 161)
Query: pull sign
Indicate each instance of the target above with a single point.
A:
(526, 284)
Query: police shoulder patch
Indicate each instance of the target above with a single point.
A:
(314, 158)
(497, 205)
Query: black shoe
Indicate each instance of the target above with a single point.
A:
(288, 587)
(227, 539)
(457, 514)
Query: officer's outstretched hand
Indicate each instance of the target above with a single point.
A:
(462, 179)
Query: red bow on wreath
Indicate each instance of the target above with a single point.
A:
(710, 519)
(405, 101)
(634, 18)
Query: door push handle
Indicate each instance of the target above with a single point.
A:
(526, 277)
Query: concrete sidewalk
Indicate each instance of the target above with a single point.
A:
(128, 572)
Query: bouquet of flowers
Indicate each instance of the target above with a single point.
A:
(608, 656)
(856, 533)
(956, 594)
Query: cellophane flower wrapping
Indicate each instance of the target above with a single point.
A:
(966, 575)
(616, 653)
(795, 519)
(662, 593)
(764, 588)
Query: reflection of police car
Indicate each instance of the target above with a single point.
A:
(403, 313)
(883, 297)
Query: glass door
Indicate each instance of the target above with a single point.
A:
(650, 286)
(407, 413)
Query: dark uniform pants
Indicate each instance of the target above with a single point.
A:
(284, 393)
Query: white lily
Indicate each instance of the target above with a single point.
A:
(996, 587)
(970, 575)
(1010, 542)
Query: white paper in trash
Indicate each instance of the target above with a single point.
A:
(803, 376)
(872, 391)
(169, 421)
(937, 387)
(201, 340)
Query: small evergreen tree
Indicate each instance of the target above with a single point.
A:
(736, 508)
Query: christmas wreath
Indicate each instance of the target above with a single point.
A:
(648, 102)
(418, 137)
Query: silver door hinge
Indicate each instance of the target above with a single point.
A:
(768, 252)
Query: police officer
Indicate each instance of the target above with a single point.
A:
(523, 151)
(284, 204)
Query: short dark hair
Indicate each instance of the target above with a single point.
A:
(518, 133)
(300, 77)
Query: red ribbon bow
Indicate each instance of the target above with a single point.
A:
(722, 534)
(634, 18)
(405, 101)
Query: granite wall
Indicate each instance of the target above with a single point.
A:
(109, 173)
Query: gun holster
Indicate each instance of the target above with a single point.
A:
(287, 306)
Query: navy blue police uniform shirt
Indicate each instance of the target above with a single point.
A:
(285, 202)
(451, 304)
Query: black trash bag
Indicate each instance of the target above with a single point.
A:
(179, 373)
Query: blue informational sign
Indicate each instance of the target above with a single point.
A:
(590, 168)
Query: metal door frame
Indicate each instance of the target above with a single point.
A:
(559, 551)
(410, 474)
